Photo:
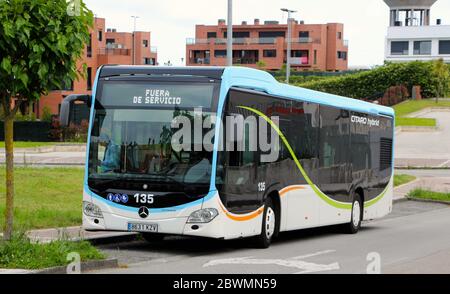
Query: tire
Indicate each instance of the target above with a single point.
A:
(152, 237)
(269, 226)
(356, 218)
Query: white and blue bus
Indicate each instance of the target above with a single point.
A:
(334, 163)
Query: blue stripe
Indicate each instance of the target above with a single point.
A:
(91, 123)
(152, 210)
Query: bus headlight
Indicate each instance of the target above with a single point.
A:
(203, 215)
(91, 209)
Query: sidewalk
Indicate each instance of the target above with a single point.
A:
(436, 184)
(76, 158)
(73, 234)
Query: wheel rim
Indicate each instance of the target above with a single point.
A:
(356, 215)
(270, 223)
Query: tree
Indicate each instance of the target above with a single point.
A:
(441, 73)
(261, 65)
(40, 44)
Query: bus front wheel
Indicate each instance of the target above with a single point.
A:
(356, 218)
(269, 225)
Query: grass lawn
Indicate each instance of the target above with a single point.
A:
(45, 197)
(402, 179)
(28, 144)
(20, 253)
(410, 106)
(424, 194)
(415, 122)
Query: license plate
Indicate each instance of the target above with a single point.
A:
(136, 227)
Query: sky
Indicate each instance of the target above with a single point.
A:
(172, 21)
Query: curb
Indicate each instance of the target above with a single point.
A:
(400, 200)
(422, 129)
(427, 200)
(408, 183)
(85, 266)
(112, 239)
(421, 167)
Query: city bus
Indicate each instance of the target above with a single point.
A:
(333, 162)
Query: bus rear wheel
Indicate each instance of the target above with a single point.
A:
(355, 223)
(152, 237)
(269, 225)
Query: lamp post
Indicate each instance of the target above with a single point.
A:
(230, 34)
(134, 38)
(288, 59)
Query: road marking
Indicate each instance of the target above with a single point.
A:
(294, 262)
(444, 164)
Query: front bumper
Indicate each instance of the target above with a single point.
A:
(173, 221)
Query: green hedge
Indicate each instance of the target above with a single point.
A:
(378, 80)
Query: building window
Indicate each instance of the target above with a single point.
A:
(270, 53)
(220, 53)
(422, 48)
(315, 56)
(110, 41)
(444, 47)
(149, 61)
(89, 78)
(303, 34)
(68, 87)
(399, 48)
(145, 43)
(238, 34)
(339, 35)
(89, 47)
(342, 55)
(212, 35)
(100, 35)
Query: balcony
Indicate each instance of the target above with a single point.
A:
(199, 61)
(245, 60)
(114, 51)
(305, 40)
(300, 61)
(236, 41)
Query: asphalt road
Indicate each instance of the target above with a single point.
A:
(415, 238)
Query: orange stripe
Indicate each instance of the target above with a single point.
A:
(246, 217)
(289, 189)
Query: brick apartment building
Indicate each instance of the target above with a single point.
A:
(106, 46)
(315, 47)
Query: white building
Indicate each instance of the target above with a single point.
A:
(412, 35)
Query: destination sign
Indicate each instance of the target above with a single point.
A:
(156, 95)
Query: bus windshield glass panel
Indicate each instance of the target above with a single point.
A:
(131, 138)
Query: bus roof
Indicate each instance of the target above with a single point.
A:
(247, 77)
(201, 71)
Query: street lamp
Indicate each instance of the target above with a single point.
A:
(289, 39)
(230, 34)
(134, 38)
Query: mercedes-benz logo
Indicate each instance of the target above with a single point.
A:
(143, 212)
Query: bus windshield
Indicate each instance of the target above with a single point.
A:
(131, 138)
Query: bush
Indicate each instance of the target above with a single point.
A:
(303, 79)
(377, 81)
(46, 114)
(76, 133)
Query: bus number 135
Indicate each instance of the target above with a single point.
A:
(143, 198)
